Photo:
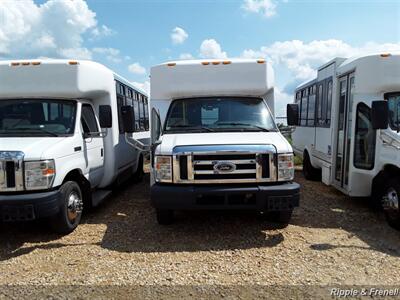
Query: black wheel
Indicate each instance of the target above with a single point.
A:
(390, 202)
(282, 217)
(309, 172)
(70, 213)
(165, 216)
(139, 174)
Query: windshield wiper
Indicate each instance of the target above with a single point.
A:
(244, 124)
(33, 130)
(193, 127)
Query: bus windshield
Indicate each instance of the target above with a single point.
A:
(36, 117)
(219, 114)
(394, 110)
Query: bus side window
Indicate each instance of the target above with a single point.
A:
(329, 104)
(320, 101)
(304, 108)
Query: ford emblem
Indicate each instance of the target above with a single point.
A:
(224, 167)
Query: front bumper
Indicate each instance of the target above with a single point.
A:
(280, 197)
(26, 207)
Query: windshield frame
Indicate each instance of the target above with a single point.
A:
(27, 133)
(391, 123)
(215, 129)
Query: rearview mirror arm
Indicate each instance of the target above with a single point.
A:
(136, 144)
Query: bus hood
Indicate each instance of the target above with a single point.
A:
(35, 148)
(170, 141)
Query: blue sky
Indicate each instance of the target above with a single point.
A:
(130, 36)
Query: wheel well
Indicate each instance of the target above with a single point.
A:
(388, 172)
(77, 176)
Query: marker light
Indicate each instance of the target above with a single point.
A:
(171, 64)
(14, 64)
(205, 63)
(385, 55)
(261, 61)
(215, 63)
(73, 62)
(36, 63)
(227, 62)
(25, 63)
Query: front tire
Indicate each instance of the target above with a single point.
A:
(390, 202)
(165, 216)
(309, 172)
(70, 214)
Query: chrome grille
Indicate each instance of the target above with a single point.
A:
(11, 171)
(224, 164)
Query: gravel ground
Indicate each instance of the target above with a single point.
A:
(331, 240)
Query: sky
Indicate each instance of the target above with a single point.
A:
(130, 36)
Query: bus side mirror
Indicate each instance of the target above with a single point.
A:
(156, 129)
(128, 118)
(380, 114)
(105, 116)
(292, 114)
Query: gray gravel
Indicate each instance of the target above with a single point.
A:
(332, 240)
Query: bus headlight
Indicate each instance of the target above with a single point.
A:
(39, 175)
(285, 167)
(163, 168)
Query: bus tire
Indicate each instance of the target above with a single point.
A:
(165, 216)
(390, 202)
(309, 172)
(70, 213)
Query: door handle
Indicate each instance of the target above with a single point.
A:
(101, 152)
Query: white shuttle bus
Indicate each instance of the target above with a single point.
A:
(347, 128)
(215, 144)
(62, 142)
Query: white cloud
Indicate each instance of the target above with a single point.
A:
(102, 31)
(111, 54)
(211, 49)
(178, 35)
(302, 59)
(143, 85)
(136, 68)
(53, 29)
(186, 56)
(267, 8)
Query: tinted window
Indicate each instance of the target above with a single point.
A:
(394, 110)
(219, 114)
(37, 117)
(365, 138)
(88, 119)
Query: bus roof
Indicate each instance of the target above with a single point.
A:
(211, 77)
(59, 78)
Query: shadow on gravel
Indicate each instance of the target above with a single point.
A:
(15, 235)
(326, 208)
(132, 227)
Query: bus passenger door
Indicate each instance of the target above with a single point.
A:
(344, 128)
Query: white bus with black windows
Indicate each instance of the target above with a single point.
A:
(347, 128)
(215, 144)
(62, 142)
